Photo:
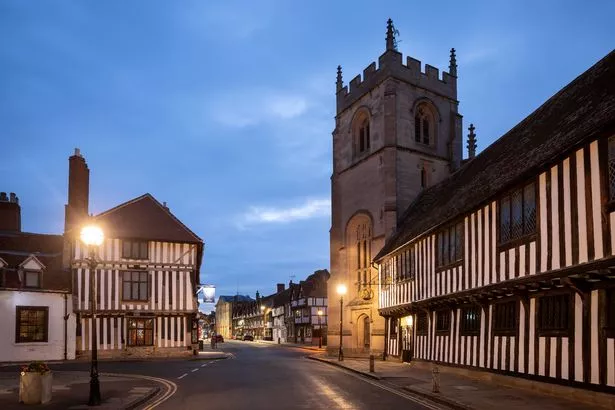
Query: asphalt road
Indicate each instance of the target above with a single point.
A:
(262, 376)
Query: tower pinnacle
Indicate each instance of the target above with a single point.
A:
(471, 142)
(391, 43)
(452, 67)
(339, 84)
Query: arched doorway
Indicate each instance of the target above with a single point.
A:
(364, 325)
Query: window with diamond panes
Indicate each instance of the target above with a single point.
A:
(612, 168)
(422, 324)
(518, 214)
(449, 245)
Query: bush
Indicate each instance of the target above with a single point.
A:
(36, 367)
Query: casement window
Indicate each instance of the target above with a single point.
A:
(32, 324)
(518, 214)
(422, 324)
(32, 279)
(449, 245)
(554, 314)
(140, 332)
(504, 318)
(470, 320)
(135, 285)
(443, 321)
(134, 250)
(612, 168)
(394, 327)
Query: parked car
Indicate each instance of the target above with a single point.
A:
(218, 338)
(248, 337)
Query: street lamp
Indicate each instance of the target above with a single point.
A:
(263, 312)
(341, 290)
(319, 329)
(92, 236)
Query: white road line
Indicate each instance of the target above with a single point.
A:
(182, 376)
(194, 370)
(170, 391)
(204, 364)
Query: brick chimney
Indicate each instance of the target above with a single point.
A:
(280, 287)
(78, 191)
(10, 212)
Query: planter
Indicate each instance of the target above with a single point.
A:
(35, 387)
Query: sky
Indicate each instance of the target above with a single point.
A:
(224, 109)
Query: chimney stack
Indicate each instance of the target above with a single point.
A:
(10, 212)
(76, 211)
(280, 287)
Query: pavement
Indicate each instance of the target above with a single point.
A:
(70, 390)
(456, 392)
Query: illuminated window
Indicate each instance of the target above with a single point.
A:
(32, 324)
(140, 332)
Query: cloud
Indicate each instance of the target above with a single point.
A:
(312, 208)
(253, 107)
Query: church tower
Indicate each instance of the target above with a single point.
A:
(397, 131)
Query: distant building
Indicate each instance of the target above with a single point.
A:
(224, 314)
(35, 292)
(307, 298)
(146, 280)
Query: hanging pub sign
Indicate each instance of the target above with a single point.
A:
(207, 294)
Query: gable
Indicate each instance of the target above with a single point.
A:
(32, 263)
(145, 218)
(2, 263)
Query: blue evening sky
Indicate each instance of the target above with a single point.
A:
(224, 109)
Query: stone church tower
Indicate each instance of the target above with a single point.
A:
(397, 131)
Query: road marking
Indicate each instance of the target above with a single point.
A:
(194, 370)
(171, 388)
(182, 376)
(420, 401)
(204, 364)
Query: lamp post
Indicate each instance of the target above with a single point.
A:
(92, 236)
(263, 313)
(319, 329)
(341, 290)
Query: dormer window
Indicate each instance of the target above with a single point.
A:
(132, 249)
(32, 279)
(31, 272)
(424, 126)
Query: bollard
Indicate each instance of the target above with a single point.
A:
(435, 374)
(371, 363)
(278, 340)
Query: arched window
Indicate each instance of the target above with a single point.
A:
(361, 134)
(359, 238)
(424, 126)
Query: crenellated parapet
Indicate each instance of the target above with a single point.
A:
(390, 64)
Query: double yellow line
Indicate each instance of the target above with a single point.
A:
(171, 387)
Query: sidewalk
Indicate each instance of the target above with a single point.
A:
(457, 392)
(70, 390)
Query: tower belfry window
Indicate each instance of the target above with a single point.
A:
(361, 134)
(423, 126)
(364, 136)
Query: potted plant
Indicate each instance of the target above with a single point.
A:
(35, 383)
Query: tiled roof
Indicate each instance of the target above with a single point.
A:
(145, 218)
(582, 110)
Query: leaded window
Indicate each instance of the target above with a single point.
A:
(505, 317)
(422, 324)
(554, 313)
(135, 285)
(470, 320)
(32, 324)
(443, 321)
(518, 214)
(449, 244)
(140, 332)
(363, 251)
(134, 250)
(423, 125)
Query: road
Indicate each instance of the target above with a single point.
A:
(262, 376)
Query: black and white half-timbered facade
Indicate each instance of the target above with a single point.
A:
(508, 265)
(146, 279)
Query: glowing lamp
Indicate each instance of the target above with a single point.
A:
(320, 312)
(92, 235)
(341, 289)
(408, 320)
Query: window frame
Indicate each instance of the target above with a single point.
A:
(443, 317)
(18, 338)
(135, 254)
(131, 330)
(450, 232)
(465, 329)
(424, 113)
(541, 301)
(39, 278)
(498, 330)
(129, 298)
(422, 319)
(525, 236)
